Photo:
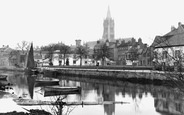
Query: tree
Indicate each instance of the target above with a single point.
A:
(64, 50)
(101, 53)
(81, 52)
(50, 49)
(23, 46)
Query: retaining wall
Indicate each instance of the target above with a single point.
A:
(115, 74)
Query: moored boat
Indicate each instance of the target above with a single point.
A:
(56, 90)
(46, 81)
(3, 77)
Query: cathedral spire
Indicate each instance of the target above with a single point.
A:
(108, 13)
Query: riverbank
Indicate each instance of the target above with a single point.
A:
(138, 75)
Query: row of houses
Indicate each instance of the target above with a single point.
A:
(165, 50)
(127, 52)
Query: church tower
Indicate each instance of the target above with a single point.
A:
(108, 33)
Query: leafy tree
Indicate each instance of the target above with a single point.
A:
(101, 53)
(64, 50)
(81, 52)
(50, 49)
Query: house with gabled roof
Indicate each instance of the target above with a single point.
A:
(144, 56)
(169, 48)
(129, 51)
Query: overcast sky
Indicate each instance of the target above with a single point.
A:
(51, 21)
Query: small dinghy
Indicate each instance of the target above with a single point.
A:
(56, 90)
(46, 81)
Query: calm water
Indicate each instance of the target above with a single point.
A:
(143, 99)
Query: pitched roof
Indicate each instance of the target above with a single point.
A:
(124, 45)
(91, 44)
(173, 38)
(98, 45)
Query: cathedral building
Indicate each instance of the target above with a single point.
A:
(108, 25)
(108, 31)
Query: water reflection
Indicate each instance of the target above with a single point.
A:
(22, 85)
(160, 99)
(144, 99)
(167, 102)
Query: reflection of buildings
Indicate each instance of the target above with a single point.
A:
(169, 103)
(167, 100)
(109, 95)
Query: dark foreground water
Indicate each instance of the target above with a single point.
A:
(143, 99)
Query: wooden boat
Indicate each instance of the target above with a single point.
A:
(3, 77)
(56, 90)
(46, 81)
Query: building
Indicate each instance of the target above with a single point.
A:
(4, 56)
(108, 31)
(145, 56)
(129, 51)
(108, 26)
(105, 52)
(169, 48)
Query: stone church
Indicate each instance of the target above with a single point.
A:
(108, 31)
(108, 26)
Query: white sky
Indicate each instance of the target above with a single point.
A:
(51, 21)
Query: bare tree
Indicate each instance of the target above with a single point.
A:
(23, 46)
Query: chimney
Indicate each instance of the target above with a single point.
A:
(107, 42)
(78, 42)
(145, 45)
(172, 28)
(179, 24)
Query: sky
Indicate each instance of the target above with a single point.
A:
(51, 21)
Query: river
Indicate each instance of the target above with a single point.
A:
(142, 99)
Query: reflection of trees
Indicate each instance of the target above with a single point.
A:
(23, 85)
(20, 86)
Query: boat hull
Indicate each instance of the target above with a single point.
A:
(54, 91)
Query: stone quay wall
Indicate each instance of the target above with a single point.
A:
(114, 74)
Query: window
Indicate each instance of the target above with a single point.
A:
(86, 62)
(74, 62)
(164, 54)
(177, 53)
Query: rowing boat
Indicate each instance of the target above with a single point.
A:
(56, 90)
(46, 81)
